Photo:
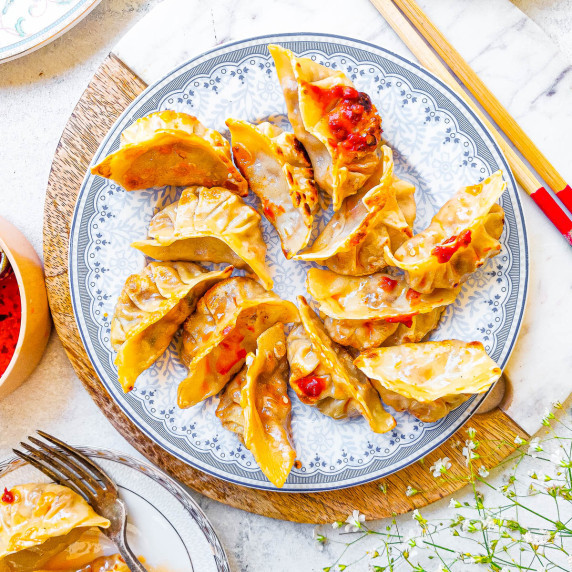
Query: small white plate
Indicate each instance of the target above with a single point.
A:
(166, 525)
(26, 25)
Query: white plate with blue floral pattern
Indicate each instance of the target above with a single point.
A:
(165, 525)
(26, 25)
(439, 145)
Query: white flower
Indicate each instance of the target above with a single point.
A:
(518, 441)
(483, 472)
(534, 448)
(440, 467)
(354, 521)
(471, 431)
(411, 540)
(410, 491)
(319, 538)
(536, 539)
(558, 457)
(468, 452)
(547, 415)
(337, 524)
(489, 522)
(454, 504)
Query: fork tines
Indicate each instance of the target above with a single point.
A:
(66, 466)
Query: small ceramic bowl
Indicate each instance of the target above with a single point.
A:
(35, 324)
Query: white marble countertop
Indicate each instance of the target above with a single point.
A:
(37, 95)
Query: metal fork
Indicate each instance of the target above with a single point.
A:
(70, 468)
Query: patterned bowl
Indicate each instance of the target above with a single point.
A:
(36, 324)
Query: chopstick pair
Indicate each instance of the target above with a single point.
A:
(408, 32)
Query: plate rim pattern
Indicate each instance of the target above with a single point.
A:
(49, 33)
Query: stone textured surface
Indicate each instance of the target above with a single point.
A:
(37, 94)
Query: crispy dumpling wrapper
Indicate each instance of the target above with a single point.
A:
(428, 411)
(170, 148)
(222, 331)
(151, 307)
(209, 225)
(354, 238)
(366, 334)
(462, 235)
(279, 173)
(338, 125)
(379, 296)
(255, 404)
(104, 564)
(77, 559)
(429, 371)
(41, 511)
(323, 375)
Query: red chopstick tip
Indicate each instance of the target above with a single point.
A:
(565, 195)
(554, 212)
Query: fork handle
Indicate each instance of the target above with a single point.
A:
(117, 532)
(127, 554)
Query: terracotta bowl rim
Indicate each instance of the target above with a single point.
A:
(24, 307)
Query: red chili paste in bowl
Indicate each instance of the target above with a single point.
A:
(10, 313)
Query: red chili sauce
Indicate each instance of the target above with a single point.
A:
(311, 386)
(412, 296)
(406, 319)
(387, 284)
(446, 249)
(271, 210)
(352, 117)
(8, 496)
(10, 317)
(232, 351)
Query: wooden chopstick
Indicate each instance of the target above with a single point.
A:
(431, 61)
(487, 99)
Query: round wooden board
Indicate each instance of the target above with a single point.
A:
(110, 91)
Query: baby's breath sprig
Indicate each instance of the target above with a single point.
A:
(519, 519)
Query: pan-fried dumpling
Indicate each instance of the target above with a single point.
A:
(354, 238)
(209, 225)
(338, 125)
(151, 307)
(170, 148)
(255, 404)
(431, 378)
(278, 171)
(461, 236)
(323, 375)
(375, 297)
(366, 334)
(222, 331)
(103, 564)
(38, 512)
